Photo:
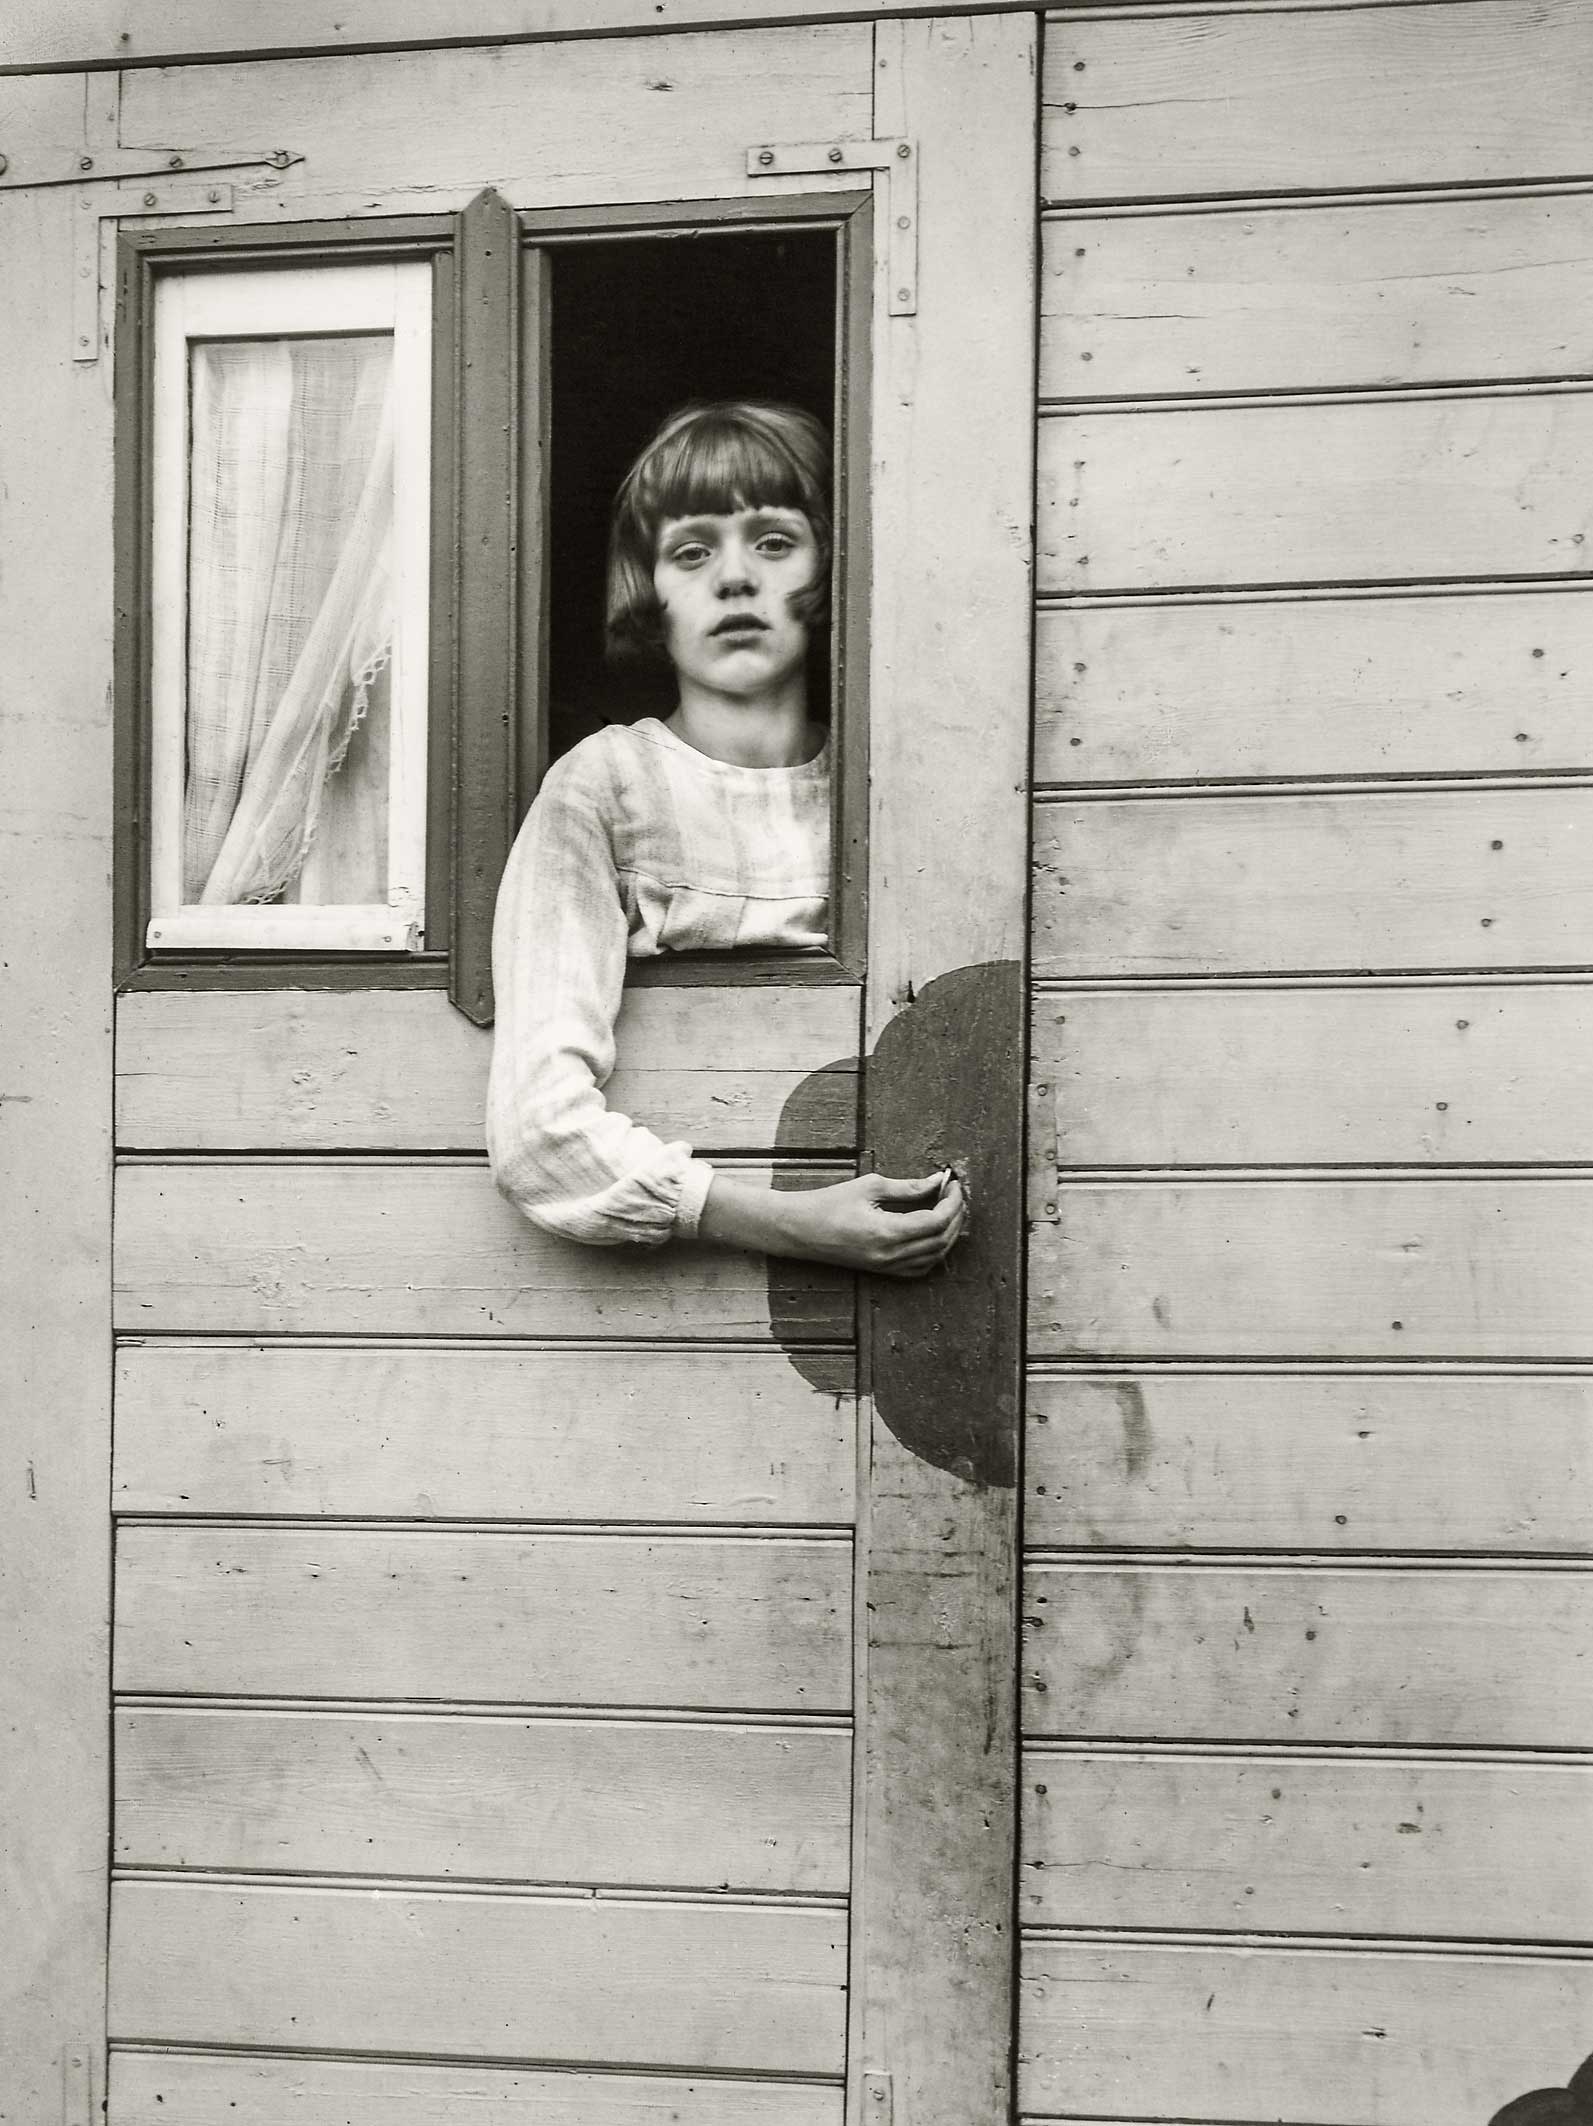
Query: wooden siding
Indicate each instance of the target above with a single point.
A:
(378, 1248)
(670, 1983)
(1308, 1428)
(396, 1070)
(193, 2089)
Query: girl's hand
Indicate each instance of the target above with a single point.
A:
(887, 1227)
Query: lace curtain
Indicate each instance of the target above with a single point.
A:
(290, 601)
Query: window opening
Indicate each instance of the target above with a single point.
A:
(289, 608)
(641, 326)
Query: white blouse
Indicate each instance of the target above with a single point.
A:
(637, 845)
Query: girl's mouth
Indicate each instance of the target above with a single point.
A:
(741, 624)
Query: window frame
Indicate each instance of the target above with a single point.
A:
(390, 299)
(487, 722)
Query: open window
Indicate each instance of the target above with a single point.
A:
(364, 477)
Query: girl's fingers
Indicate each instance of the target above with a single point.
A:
(889, 1188)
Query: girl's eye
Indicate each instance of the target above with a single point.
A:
(776, 543)
(690, 555)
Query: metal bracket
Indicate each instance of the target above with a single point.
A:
(898, 158)
(111, 203)
(103, 160)
(876, 2100)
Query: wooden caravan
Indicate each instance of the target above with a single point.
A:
(452, 1674)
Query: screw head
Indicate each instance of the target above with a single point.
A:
(904, 151)
(174, 162)
(835, 155)
(214, 198)
(904, 295)
(85, 162)
(766, 156)
(149, 199)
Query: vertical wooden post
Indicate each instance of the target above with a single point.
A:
(55, 1179)
(932, 2028)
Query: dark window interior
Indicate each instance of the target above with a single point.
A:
(639, 327)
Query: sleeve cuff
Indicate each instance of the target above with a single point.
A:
(696, 1177)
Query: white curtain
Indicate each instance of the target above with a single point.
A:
(290, 600)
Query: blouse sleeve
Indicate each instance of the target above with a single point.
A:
(558, 1152)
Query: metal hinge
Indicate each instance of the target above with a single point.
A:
(113, 182)
(876, 2100)
(898, 158)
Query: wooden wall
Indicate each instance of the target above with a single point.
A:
(1307, 1623)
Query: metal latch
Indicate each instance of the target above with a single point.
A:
(898, 158)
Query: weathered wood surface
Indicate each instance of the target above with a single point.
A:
(952, 442)
(1208, 1076)
(55, 1189)
(683, 1805)
(582, 1979)
(1297, 1461)
(1313, 1845)
(1210, 2033)
(1366, 1268)
(391, 1248)
(401, 1070)
(1324, 884)
(576, 124)
(1355, 491)
(1419, 1655)
(722, 1623)
(182, 2089)
(1429, 685)
(1338, 97)
(1444, 291)
(483, 1432)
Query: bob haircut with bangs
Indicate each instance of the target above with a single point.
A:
(711, 460)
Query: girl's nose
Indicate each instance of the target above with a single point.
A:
(736, 569)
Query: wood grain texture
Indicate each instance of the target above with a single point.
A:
(1198, 2033)
(1365, 1268)
(1361, 491)
(152, 2089)
(576, 1979)
(649, 1803)
(719, 1623)
(1207, 1076)
(486, 1433)
(55, 1173)
(1451, 290)
(577, 124)
(1339, 97)
(952, 435)
(390, 1070)
(387, 1248)
(1308, 1845)
(1323, 884)
(1324, 1654)
(1446, 684)
(1290, 1461)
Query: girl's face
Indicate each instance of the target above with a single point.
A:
(725, 585)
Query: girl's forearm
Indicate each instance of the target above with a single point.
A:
(767, 1221)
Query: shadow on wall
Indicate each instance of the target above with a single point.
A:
(1571, 2106)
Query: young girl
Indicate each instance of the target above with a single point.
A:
(710, 829)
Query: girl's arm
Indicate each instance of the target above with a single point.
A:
(558, 1152)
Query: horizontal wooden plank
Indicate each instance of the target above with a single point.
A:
(1206, 1076)
(1385, 880)
(1444, 684)
(1366, 1268)
(1419, 1655)
(186, 2089)
(401, 1070)
(574, 124)
(1313, 1845)
(1242, 1461)
(541, 1979)
(723, 1622)
(1354, 491)
(1205, 103)
(650, 1803)
(1115, 2030)
(1286, 299)
(483, 1432)
(377, 1248)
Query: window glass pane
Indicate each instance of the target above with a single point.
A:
(290, 620)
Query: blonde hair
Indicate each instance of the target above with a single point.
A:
(710, 460)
